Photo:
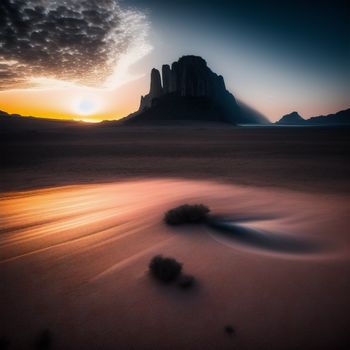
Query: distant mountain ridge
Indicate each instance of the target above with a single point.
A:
(339, 118)
(17, 122)
(291, 118)
(190, 91)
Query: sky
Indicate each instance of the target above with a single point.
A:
(91, 60)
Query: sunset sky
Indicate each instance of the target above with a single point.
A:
(90, 60)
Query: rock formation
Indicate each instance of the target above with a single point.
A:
(189, 90)
(166, 74)
(339, 118)
(156, 89)
(189, 77)
(293, 118)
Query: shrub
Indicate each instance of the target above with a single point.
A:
(186, 281)
(229, 330)
(165, 269)
(185, 214)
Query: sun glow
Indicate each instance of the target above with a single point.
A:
(83, 86)
(87, 105)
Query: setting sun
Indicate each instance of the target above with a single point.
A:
(87, 105)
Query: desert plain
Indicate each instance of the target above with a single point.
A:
(82, 214)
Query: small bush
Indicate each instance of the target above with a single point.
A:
(165, 269)
(185, 214)
(229, 330)
(186, 281)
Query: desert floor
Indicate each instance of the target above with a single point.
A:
(307, 159)
(81, 216)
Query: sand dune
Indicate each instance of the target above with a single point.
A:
(74, 260)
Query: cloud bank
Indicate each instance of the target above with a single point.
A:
(77, 42)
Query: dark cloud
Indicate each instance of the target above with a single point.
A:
(78, 41)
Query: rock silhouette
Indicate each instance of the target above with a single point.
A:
(156, 89)
(291, 119)
(339, 118)
(190, 90)
(167, 79)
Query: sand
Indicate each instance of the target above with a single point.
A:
(306, 159)
(73, 259)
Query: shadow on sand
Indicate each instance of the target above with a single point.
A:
(230, 228)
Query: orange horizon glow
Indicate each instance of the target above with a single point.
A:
(114, 104)
(111, 104)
